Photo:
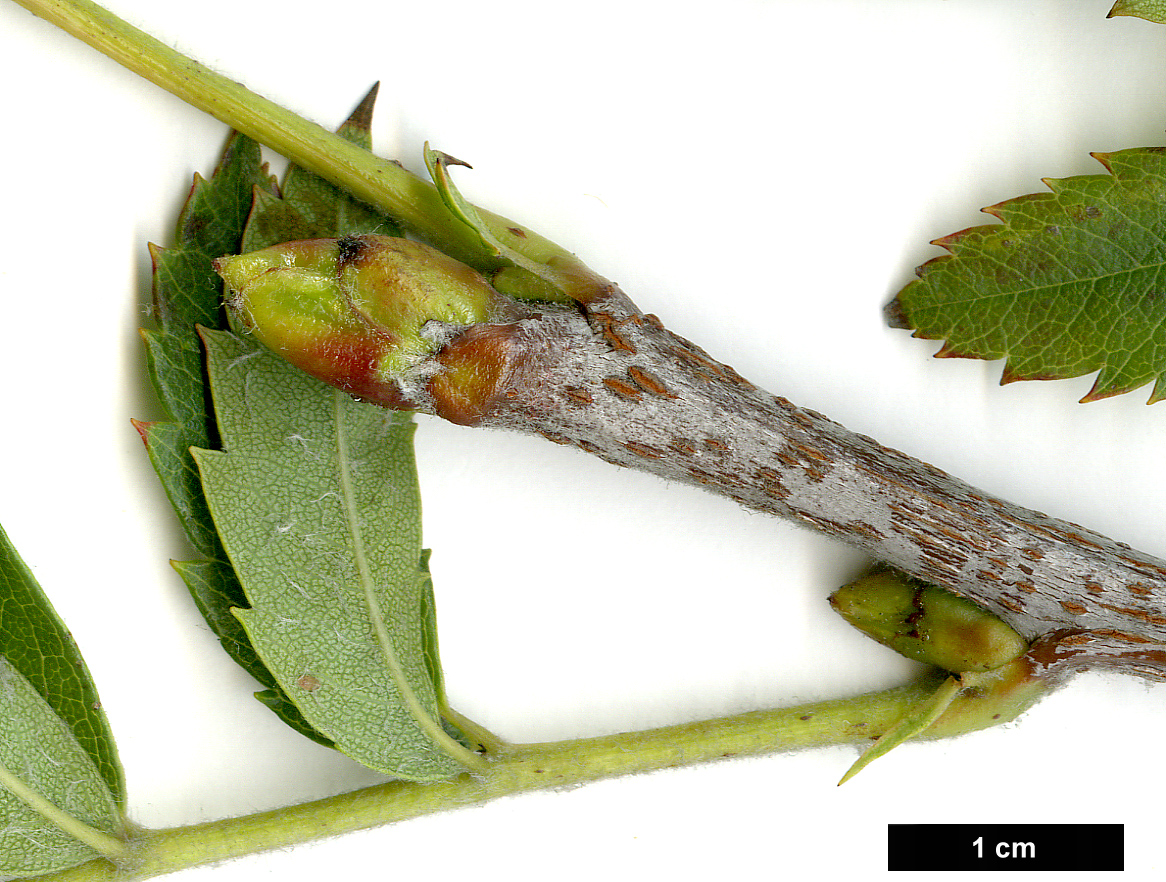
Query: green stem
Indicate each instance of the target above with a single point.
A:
(383, 184)
(513, 769)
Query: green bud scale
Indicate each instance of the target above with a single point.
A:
(926, 623)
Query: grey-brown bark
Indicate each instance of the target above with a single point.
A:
(614, 382)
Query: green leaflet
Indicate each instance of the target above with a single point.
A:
(46, 773)
(305, 206)
(57, 754)
(209, 582)
(37, 644)
(1069, 283)
(315, 498)
(238, 208)
(188, 293)
(1151, 10)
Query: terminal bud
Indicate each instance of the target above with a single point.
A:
(363, 313)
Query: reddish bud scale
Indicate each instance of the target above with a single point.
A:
(478, 366)
(367, 313)
(349, 362)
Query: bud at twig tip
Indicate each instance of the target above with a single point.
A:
(363, 313)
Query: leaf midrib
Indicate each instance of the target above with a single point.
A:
(368, 587)
(1032, 289)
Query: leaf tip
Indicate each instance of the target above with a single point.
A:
(1015, 375)
(1100, 392)
(850, 773)
(928, 266)
(361, 116)
(896, 316)
(1012, 375)
(143, 427)
(441, 158)
(947, 243)
(1144, 9)
(996, 211)
(1055, 185)
(1159, 391)
(1105, 160)
(950, 350)
(953, 241)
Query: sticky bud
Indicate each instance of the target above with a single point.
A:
(353, 311)
(926, 623)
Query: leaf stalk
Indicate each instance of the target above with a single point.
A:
(520, 768)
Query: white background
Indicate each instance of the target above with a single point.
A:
(764, 176)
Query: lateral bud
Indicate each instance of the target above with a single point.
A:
(927, 623)
(992, 676)
(371, 315)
